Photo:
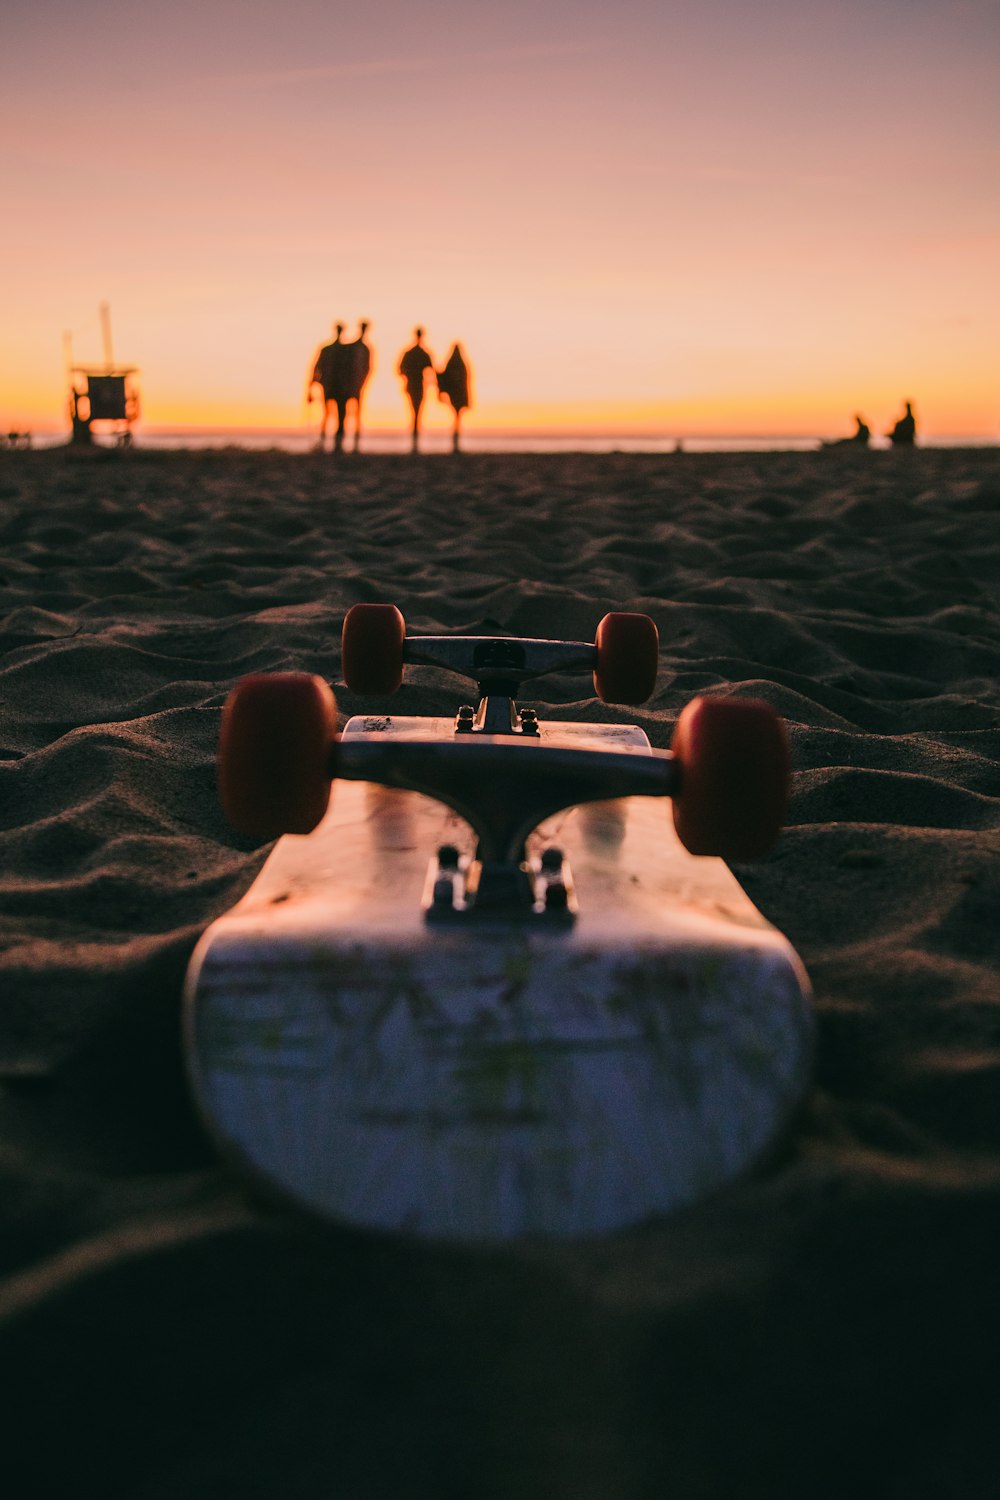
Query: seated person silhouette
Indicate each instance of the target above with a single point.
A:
(903, 435)
(413, 367)
(859, 439)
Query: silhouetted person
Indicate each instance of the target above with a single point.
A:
(903, 435)
(413, 367)
(859, 439)
(453, 384)
(81, 424)
(360, 369)
(332, 373)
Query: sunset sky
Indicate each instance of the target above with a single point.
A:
(710, 217)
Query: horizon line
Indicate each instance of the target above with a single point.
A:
(511, 430)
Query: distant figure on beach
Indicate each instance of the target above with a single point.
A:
(903, 435)
(453, 385)
(82, 434)
(860, 439)
(360, 369)
(413, 366)
(332, 372)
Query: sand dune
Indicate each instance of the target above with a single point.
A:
(829, 1328)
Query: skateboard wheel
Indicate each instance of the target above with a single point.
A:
(275, 751)
(734, 774)
(628, 652)
(372, 648)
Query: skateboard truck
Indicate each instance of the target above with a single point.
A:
(726, 771)
(504, 797)
(503, 788)
(623, 657)
(498, 667)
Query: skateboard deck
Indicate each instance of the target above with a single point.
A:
(370, 1052)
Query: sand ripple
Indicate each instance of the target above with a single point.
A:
(860, 597)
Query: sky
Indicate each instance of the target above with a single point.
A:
(719, 217)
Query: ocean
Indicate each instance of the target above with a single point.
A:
(303, 440)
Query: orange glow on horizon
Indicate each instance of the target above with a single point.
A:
(763, 229)
(763, 417)
(780, 413)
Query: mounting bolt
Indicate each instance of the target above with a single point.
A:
(448, 857)
(552, 858)
(465, 719)
(529, 721)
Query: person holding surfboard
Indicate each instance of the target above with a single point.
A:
(453, 385)
(413, 366)
(360, 367)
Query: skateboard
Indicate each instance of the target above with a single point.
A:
(499, 982)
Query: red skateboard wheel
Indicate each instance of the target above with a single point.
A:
(735, 767)
(372, 648)
(275, 745)
(628, 653)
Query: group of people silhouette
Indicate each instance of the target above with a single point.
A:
(902, 435)
(342, 369)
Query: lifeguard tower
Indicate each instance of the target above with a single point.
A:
(104, 395)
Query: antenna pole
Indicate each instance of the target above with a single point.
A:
(106, 332)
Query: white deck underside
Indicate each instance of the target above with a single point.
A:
(486, 1080)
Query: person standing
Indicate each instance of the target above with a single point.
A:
(360, 369)
(413, 366)
(332, 373)
(453, 384)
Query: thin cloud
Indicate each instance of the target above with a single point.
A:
(390, 66)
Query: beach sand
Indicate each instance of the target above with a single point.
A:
(827, 1328)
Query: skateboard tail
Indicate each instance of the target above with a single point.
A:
(546, 1089)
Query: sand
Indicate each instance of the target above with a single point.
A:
(827, 1328)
